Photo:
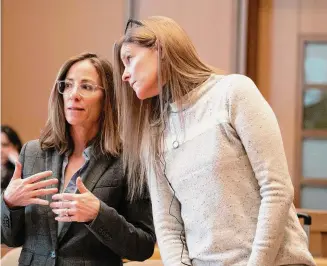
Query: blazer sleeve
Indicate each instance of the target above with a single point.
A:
(129, 233)
(13, 220)
(257, 127)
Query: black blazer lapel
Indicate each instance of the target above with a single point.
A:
(94, 171)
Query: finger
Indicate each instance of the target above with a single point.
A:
(64, 212)
(64, 196)
(66, 219)
(43, 183)
(62, 204)
(39, 201)
(18, 170)
(43, 192)
(80, 186)
(13, 156)
(37, 177)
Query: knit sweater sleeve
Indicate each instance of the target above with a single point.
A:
(257, 127)
(168, 222)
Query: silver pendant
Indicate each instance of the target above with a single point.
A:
(175, 144)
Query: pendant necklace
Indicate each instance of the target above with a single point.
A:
(175, 142)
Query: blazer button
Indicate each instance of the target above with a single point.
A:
(5, 222)
(53, 254)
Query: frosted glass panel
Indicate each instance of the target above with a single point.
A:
(314, 158)
(315, 63)
(315, 109)
(314, 198)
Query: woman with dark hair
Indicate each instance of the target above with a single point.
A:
(10, 149)
(92, 220)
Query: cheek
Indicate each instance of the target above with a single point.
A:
(97, 107)
(65, 100)
(149, 74)
(152, 78)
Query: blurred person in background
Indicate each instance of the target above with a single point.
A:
(68, 201)
(211, 149)
(10, 149)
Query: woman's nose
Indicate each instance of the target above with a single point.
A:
(125, 76)
(74, 93)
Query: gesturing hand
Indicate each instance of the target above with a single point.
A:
(22, 192)
(82, 207)
(12, 155)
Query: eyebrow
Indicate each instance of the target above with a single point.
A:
(83, 80)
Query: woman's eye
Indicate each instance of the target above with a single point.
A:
(87, 87)
(68, 85)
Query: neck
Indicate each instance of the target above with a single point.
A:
(81, 136)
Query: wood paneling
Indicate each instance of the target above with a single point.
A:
(318, 232)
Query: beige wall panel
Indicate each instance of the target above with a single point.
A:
(37, 37)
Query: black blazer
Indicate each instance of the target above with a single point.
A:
(122, 229)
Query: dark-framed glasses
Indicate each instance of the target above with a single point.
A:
(131, 22)
(85, 89)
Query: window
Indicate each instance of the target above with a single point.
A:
(312, 156)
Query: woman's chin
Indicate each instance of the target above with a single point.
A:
(144, 94)
(140, 94)
(74, 122)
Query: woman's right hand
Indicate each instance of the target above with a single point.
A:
(22, 192)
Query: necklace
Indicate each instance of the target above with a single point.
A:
(175, 142)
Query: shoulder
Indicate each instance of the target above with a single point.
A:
(224, 89)
(32, 147)
(236, 83)
(236, 88)
(236, 79)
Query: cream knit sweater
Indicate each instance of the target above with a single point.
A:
(233, 193)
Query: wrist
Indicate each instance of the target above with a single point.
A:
(7, 201)
(96, 212)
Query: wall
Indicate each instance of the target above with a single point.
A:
(282, 23)
(211, 24)
(37, 37)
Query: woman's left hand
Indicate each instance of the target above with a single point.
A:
(83, 207)
(12, 154)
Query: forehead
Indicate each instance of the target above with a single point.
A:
(125, 48)
(128, 48)
(83, 70)
(4, 138)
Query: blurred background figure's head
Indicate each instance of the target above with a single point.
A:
(10, 148)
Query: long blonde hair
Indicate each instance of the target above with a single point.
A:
(142, 123)
(56, 131)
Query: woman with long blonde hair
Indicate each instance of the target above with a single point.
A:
(210, 147)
